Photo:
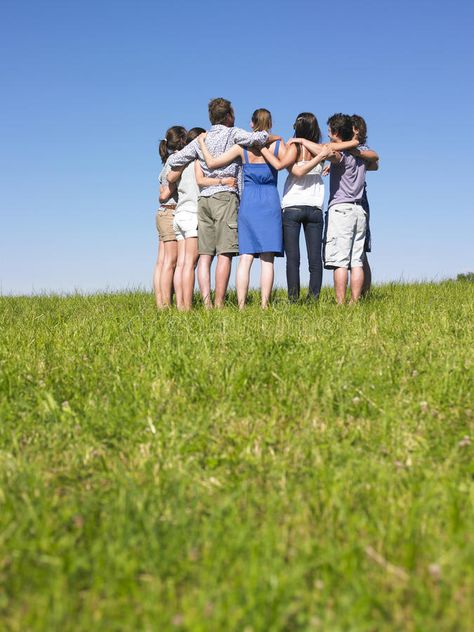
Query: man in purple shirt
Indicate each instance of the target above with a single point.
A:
(346, 220)
(218, 204)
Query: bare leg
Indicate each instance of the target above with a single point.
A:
(169, 264)
(190, 260)
(367, 276)
(243, 278)
(267, 273)
(357, 282)
(178, 275)
(340, 284)
(204, 279)
(224, 265)
(157, 275)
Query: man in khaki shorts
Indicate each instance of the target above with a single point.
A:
(346, 219)
(218, 204)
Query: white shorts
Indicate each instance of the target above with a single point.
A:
(345, 236)
(185, 225)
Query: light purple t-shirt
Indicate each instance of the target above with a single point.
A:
(347, 179)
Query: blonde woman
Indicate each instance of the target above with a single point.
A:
(259, 217)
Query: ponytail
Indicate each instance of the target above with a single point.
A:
(174, 140)
(163, 149)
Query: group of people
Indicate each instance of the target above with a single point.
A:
(219, 197)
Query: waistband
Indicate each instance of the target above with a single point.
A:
(172, 206)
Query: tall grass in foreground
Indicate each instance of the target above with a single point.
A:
(302, 468)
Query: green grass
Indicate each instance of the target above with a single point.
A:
(303, 468)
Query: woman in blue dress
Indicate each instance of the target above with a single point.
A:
(259, 219)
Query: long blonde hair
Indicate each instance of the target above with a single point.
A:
(262, 120)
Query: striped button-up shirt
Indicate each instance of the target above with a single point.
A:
(219, 139)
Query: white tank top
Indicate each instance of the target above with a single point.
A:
(305, 191)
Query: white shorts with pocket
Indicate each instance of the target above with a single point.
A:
(345, 236)
(185, 225)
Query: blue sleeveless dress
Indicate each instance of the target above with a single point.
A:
(259, 217)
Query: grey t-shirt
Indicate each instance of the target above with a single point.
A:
(347, 179)
(164, 183)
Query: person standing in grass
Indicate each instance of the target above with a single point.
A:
(175, 139)
(185, 223)
(302, 204)
(347, 221)
(360, 131)
(259, 218)
(346, 218)
(218, 204)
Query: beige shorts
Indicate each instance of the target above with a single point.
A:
(217, 224)
(185, 225)
(345, 236)
(164, 224)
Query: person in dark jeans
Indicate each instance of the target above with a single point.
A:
(311, 219)
(302, 204)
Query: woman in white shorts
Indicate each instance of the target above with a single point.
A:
(185, 222)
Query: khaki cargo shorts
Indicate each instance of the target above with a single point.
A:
(164, 223)
(217, 224)
(345, 236)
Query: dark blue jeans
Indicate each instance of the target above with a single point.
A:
(311, 218)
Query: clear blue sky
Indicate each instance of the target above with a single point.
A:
(90, 86)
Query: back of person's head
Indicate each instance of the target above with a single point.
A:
(306, 126)
(341, 126)
(194, 133)
(220, 110)
(360, 126)
(261, 120)
(174, 140)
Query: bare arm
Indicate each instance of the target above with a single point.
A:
(174, 175)
(166, 192)
(314, 148)
(285, 158)
(203, 181)
(302, 170)
(373, 166)
(369, 155)
(344, 145)
(214, 162)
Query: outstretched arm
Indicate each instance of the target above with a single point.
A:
(246, 139)
(214, 162)
(203, 181)
(313, 148)
(285, 158)
(185, 156)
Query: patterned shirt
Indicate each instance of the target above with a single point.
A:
(219, 139)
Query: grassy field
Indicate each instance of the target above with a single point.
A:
(303, 468)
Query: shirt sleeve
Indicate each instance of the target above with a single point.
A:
(185, 156)
(242, 137)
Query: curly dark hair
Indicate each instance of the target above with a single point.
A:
(359, 124)
(341, 125)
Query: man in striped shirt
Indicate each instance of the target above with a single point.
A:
(218, 204)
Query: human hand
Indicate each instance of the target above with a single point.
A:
(202, 137)
(326, 170)
(231, 182)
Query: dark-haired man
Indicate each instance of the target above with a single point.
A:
(218, 204)
(346, 219)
